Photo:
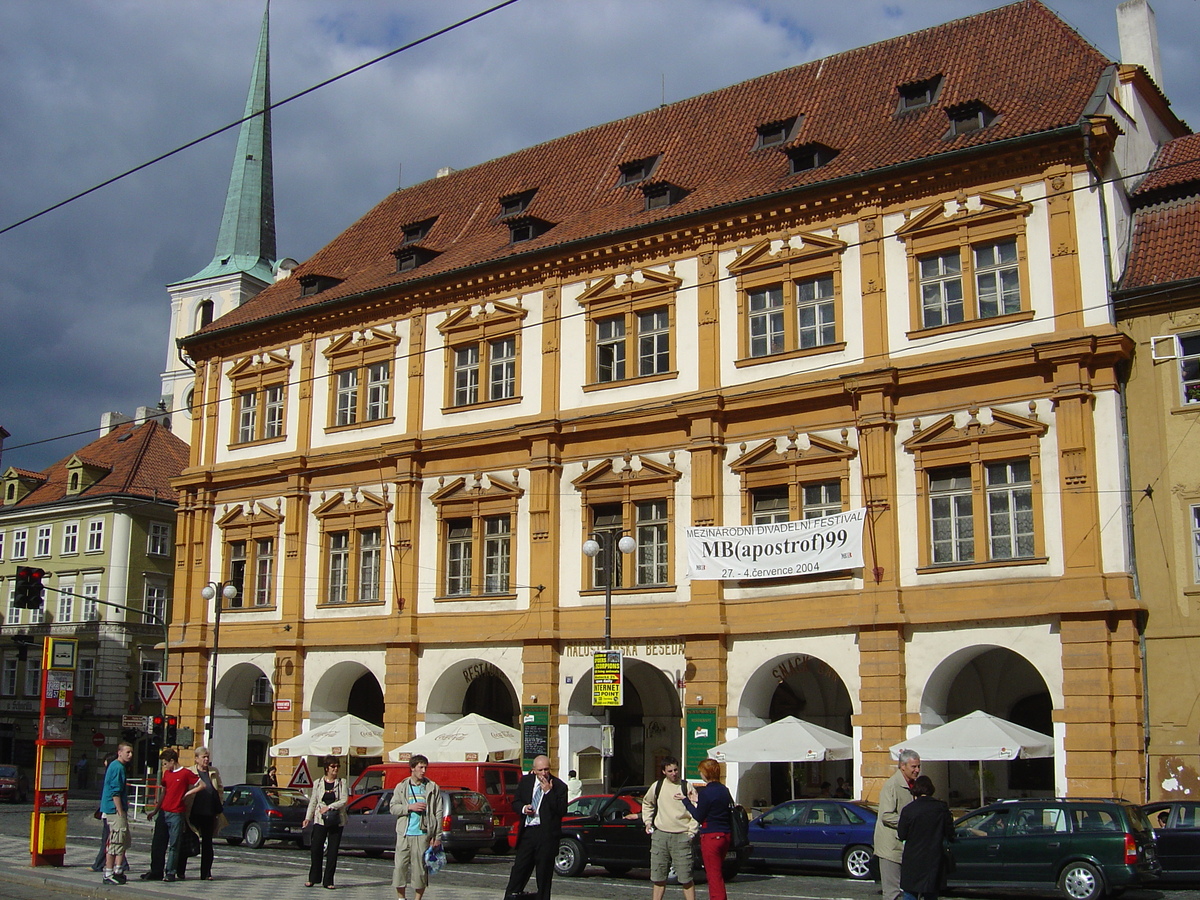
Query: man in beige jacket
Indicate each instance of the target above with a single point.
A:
(896, 794)
(671, 829)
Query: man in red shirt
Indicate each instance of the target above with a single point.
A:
(177, 785)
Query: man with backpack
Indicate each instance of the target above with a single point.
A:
(671, 829)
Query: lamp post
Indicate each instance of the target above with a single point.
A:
(608, 542)
(222, 591)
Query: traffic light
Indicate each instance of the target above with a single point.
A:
(169, 738)
(29, 588)
(157, 731)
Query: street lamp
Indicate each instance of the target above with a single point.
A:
(226, 591)
(608, 542)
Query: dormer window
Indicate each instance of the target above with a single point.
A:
(810, 156)
(527, 228)
(515, 204)
(417, 231)
(918, 94)
(409, 258)
(314, 284)
(662, 194)
(638, 170)
(969, 117)
(773, 134)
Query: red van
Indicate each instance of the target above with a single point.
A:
(495, 780)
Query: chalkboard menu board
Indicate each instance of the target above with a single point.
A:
(535, 733)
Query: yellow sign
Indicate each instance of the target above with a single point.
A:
(607, 678)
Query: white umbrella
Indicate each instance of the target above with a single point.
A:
(978, 736)
(473, 738)
(789, 740)
(347, 736)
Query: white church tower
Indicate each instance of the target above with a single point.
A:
(244, 262)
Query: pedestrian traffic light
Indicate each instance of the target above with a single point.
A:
(29, 588)
(169, 738)
(157, 730)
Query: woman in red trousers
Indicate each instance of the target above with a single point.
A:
(711, 806)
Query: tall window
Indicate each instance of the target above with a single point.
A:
(272, 412)
(815, 310)
(70, 538)
(19, 543)
(1, 545)
(476, 546)
(770, 506)
(368, 565)
(379, 380)
(1010, 509)
(647, 522)
(653, 548)
(85, 677)
(353, 565)
(264, 572)
(236, 573)
(66, 606)
(466, 375)
(502, 371)
(629, 327)
(362, 392)
(156, 603)
(482, 350)
(33, 676)
(941, 289)
(951, 515)
(339, 567)
(262, 693)
(158, 541)
(259, 385)
(247, 416)
(43, 540)
(91, 605)
(997, 279)
(8, 677)
(1196, 543)
(151, 672)
(497, 552)
(765, 321)
(347, 397)
(95, 539)
(822, 499)
(459, 544)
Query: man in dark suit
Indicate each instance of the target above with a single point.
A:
(541, 799)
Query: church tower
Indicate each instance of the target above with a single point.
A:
(244, 262)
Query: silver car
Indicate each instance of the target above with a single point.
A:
(468, 824)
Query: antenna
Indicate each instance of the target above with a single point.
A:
(664, 90)
(399, 176)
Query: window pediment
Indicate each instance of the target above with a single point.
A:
(630, 286)
(610, 474)
(767, 455)
(944, 434)
(249, 516)
(479, 487)
(357, 503)
(769, 254)
(260, 364)
(992, 208)
(482, 318)
(368, 341)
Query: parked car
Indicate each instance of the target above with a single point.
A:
(588, 804)
(836, 834)
(14, 784)
(1176, 825)
(259, 814)
(1087, 848)
(469, 824)
(608, 838)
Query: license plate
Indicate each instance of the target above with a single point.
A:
(474, 828)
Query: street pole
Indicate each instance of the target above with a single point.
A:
(219, 592)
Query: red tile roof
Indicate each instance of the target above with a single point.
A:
(1020, 60)
(141, 459)
(1176, 165)
(1166, 245)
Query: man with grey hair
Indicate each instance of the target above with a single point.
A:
(896, 794)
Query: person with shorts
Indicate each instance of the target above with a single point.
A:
(672, 831)
(417, 805)
(114, 806)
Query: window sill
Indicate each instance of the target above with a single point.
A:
(355, 426)
(236, 610)
(1191, 592)
(1025, 315)
(626, 591)
(450, 598)
(483, 404)
(1188, 408)
(623, 382)
(989, 564)
(789, 354)
(349, 604)
(238, 445)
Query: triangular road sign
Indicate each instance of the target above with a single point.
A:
(166, 690)
(301, 778)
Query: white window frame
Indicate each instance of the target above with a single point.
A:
(33, 675)
(346, 411)
(70, 538)
(155, 602)
(158, 539)
(262, 694)
(85, 677)
(151, 672)
(273, 400)
(2, 545)
(95, 537)
(1195, 511)
(264, 571)
(20, 543)
(8, 677)
(45, 536)
(90, 611)
(765, 313)
(66, 605)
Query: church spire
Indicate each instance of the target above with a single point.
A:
(246, 242)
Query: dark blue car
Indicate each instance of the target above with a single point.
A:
(259, 814)
(838, 834)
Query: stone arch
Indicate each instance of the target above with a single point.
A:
(346, 687)
(240, 729)
(472, 685)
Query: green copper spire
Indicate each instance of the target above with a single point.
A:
(246, 242)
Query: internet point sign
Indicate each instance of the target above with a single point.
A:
(606, 678)
(804, 547)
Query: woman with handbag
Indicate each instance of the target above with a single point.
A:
(327, 813)
(925, 826)
(712, 807)
(207, 808)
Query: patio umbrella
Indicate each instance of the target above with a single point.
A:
(978, 736)
(789, 740)
(347, 736)
(473, 738)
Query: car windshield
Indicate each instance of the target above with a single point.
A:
(468, 802)
(284, 799)
(1138, 818)
(8, 771)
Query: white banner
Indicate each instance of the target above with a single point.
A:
(806, 547)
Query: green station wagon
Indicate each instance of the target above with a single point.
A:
(1087, 848)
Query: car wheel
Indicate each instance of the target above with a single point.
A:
(857, 862)
(1081, 881)
(570, 860)
(618, 870)
(463, 856)
(255, 836)
(234, 842)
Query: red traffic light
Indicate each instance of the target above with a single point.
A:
(158, 720)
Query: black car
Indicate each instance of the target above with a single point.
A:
(1176, 826)
(258, 814)
(615, 837)
(1087, 848)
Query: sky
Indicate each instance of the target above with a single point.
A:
(95, 88)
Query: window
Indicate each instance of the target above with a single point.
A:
(796, 482)
(264, 572)
(8, 677)
(770, 506)
(19, 539)
(981, 490)
(661, 194)
(12, 614)
(91, 605)
(417, 231)
(810, 156)
(361, 367)
(33, 675)
(815, 310)
(482, 347)
(630, 320)
(260, 391)
(156, 604)
(969, 267)
(476, 522)
(653, 548)
(346, 580)
(1186, 349)
(151, 672)
(95, 539)
(70, 538)
(262, 693)
(158, 541)
(42, 548)
(969, 117)
(1195, 510)
(772, 134)
(250, 557)
(637, 170)
(85, 677)
(2, 545)
(918, 94)
(66, 607)
(235, 573)
(515, 204)
(339, 567)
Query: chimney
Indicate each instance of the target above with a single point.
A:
(153, 414)
(1138, 33)
(444, 171)
(111, 420)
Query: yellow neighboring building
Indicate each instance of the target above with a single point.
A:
(874, 281)
(1158, 302)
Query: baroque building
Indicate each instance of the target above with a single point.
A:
(874, 281)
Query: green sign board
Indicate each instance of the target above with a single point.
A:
(700, 736)
(535, 734)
